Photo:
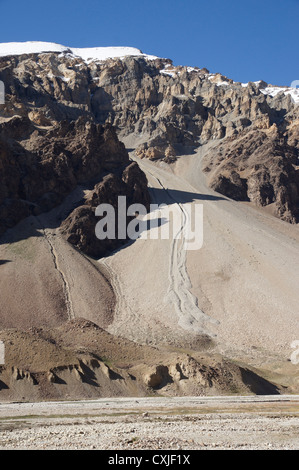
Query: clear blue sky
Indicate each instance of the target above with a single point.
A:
(244, 40)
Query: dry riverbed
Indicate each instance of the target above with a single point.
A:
(153, 423)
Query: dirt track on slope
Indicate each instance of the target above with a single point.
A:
(45, 281)
(244, 279)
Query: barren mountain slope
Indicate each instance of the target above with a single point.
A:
(244, 278)
(164, 319)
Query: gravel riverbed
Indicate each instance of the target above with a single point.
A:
(151, 424)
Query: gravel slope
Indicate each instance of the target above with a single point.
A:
(243, 280)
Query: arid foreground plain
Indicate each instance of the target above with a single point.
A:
(226, 423)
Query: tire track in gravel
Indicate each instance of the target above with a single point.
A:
(191, 317)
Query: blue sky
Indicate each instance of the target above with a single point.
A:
(244, 40)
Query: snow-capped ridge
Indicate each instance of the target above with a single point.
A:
(91, 54)
(88, 54)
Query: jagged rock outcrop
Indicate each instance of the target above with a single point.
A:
(39, 167)
(79, 227)
(79, 359)
(189, 374)
(258, 166)
(176, 109)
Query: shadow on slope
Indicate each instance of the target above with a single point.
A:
(257, 384)
(34, 226)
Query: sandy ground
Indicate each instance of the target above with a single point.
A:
(202, 423)
(241, 287)
(44, 281)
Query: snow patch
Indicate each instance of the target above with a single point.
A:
(275, 90)
(30, 47)
(244, 85)
(88, 54)
(167, 72)
(217, 81)
(64, 79)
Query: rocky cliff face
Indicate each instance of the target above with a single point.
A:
(168, 111)
(50, 143)
(40, 166)
(259, 166)
(172, 110)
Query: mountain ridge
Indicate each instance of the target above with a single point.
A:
(170, 110)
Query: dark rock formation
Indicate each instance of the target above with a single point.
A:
(257, 166)
(79, 227)
(39, 167)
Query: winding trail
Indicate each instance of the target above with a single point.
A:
(66, 289)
